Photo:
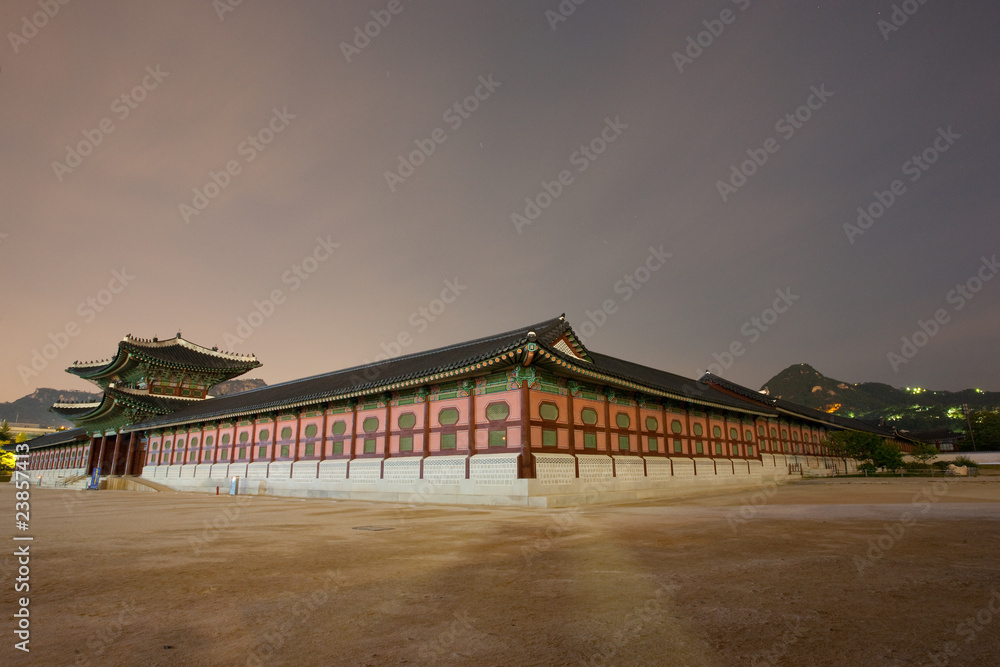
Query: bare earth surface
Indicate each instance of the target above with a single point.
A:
(888, 572)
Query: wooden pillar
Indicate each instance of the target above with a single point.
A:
(100, 455)
(322, 436)
(471, 388)
(526, 471)
(607, 429)
(387, 448)
(425, 447)
(298, 433)
(130, 453)
(571, 422)
(114, 455)
(354, 434)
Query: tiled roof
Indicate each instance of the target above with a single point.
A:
(445, 363)
(172, 352)
(58, 438)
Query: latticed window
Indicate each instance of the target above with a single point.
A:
(310, 449)
(590, 440)
(244, 436)
(698, 430)
(261, 452)
(734, 434)
(338, 447)
(749, 450)
(286, 433)
(369, 445)
(748, 435)
(718, 448)
(498, 437)
(167, 444)
(623, 443)
(223, 454)
(225, 438)
(652, 424)
(549, 438)
(652, 444)
(448, 416)
(760, 431)
(194, 442)
(448, 440)
(675, 426)
(678, 447)
(622, 420)
(406, 443)
(311, 430)
(264, 435)
(497, 411)
(699, 447)
(548, 411)
(284, 451)
(339, 428)
(407, 420)
(370, 424)
(736, 450)
(589, 416)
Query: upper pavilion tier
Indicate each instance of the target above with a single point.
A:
(172, 367)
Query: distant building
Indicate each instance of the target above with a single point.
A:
(945, 440)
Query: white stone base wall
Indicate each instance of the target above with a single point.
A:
(658, 469)
(595, 467)
(629, 469)
(404, 470)
(279, 470)
(492, 478)
(305, 470)
(336, 469)
(444, 470)
(493, 469)
(256, 470)
(365, 471)
(555, 468)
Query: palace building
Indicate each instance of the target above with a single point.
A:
(526, 417)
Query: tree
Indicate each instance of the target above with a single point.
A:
(7, 459)
(887, 455)
(924, 453)
(867, 448)
(986, 429)
(852, 444)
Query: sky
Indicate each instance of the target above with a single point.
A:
(728, 185)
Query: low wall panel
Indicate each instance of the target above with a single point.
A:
(443, 470)
(493, 469)
(629, 469)
(555, 468)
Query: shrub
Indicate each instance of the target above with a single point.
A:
(963, 461)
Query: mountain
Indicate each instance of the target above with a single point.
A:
(911, 408)
(230, 387)
(34, 408)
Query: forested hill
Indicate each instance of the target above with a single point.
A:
(911, 408)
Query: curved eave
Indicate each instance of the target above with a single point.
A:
(76, 413)
(138, 356)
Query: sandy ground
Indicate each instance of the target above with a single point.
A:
(896, 572)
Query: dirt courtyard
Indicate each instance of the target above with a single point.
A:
(888, 572)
